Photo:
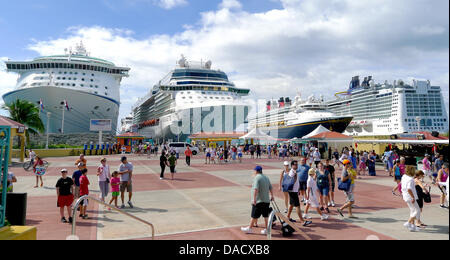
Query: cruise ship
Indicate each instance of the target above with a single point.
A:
(190, 99)
(73, 86)
(391, 108)
(286, 120)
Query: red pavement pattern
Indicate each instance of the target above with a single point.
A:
(43, 213)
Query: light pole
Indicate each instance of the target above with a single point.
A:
(48, 127)
(418, 119)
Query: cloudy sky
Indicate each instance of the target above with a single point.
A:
(273, 47)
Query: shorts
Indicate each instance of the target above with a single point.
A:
(362, 166)
(428, 173)
(313, 202)
(303, 185)
(208, 155)
(398, 178)
(260, 209)
(115, 193)
(124, 185)
(84, 202)
(172, 169)
(324, 191)
(76, 192)
(64, 201)
(293, 199)
(350, 196)
(240, 155)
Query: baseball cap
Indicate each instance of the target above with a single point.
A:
(345, 162)
(64, 170)
(258, 168)
(286, 163)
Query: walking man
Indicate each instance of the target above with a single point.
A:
(293, 195)
(188, 154)
(260, 200)
(126, 174)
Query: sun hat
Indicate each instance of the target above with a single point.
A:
(345, 162)
(286, 163)
(64, 170)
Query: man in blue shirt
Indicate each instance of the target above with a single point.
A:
(302, 172)
(76, 179)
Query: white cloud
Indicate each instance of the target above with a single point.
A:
(314, 46)
(230, 4)
(7, 82)
(170, 4)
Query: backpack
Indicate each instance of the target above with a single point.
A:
(288, 182)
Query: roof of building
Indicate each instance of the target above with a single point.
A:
(330, 135)
(8, 122)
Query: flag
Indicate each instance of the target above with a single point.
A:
(41, 105)
(66, 105)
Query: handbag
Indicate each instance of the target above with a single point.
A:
(344, 186)
(427, 196)
(288, 182)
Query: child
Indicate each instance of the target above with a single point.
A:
(115, 188)
(312, 195)
(213, 155)
(64, 188)
(84, 190)
(239, 151)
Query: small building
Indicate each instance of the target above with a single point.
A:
(17, 130)
(211, 139)
(129, 140)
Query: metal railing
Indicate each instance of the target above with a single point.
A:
(107, 205)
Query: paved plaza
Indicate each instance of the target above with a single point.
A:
(212, 202)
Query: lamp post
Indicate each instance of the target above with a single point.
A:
(48, 127)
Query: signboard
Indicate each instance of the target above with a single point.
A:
(101, 125)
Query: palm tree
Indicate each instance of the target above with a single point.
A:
(26, 113)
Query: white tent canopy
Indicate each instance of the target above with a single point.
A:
(320, 129)
(257, 134)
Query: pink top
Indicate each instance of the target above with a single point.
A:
(114, 186)
(402, 168)
(426, 164)
(444, 176)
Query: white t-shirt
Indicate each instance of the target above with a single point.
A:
(105, 173)
(408, 184)
(293, 173)
(313, 193)
(311, 183)
(32, 155)
(316, 156)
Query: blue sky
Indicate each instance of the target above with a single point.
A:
(25, 20)
(273, 47)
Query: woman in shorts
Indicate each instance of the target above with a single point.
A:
(208, 155)
(323, 180)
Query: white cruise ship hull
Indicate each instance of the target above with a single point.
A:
(84, 106)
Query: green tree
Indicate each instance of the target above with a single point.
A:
(26, 113)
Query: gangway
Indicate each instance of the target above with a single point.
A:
(74, 222)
